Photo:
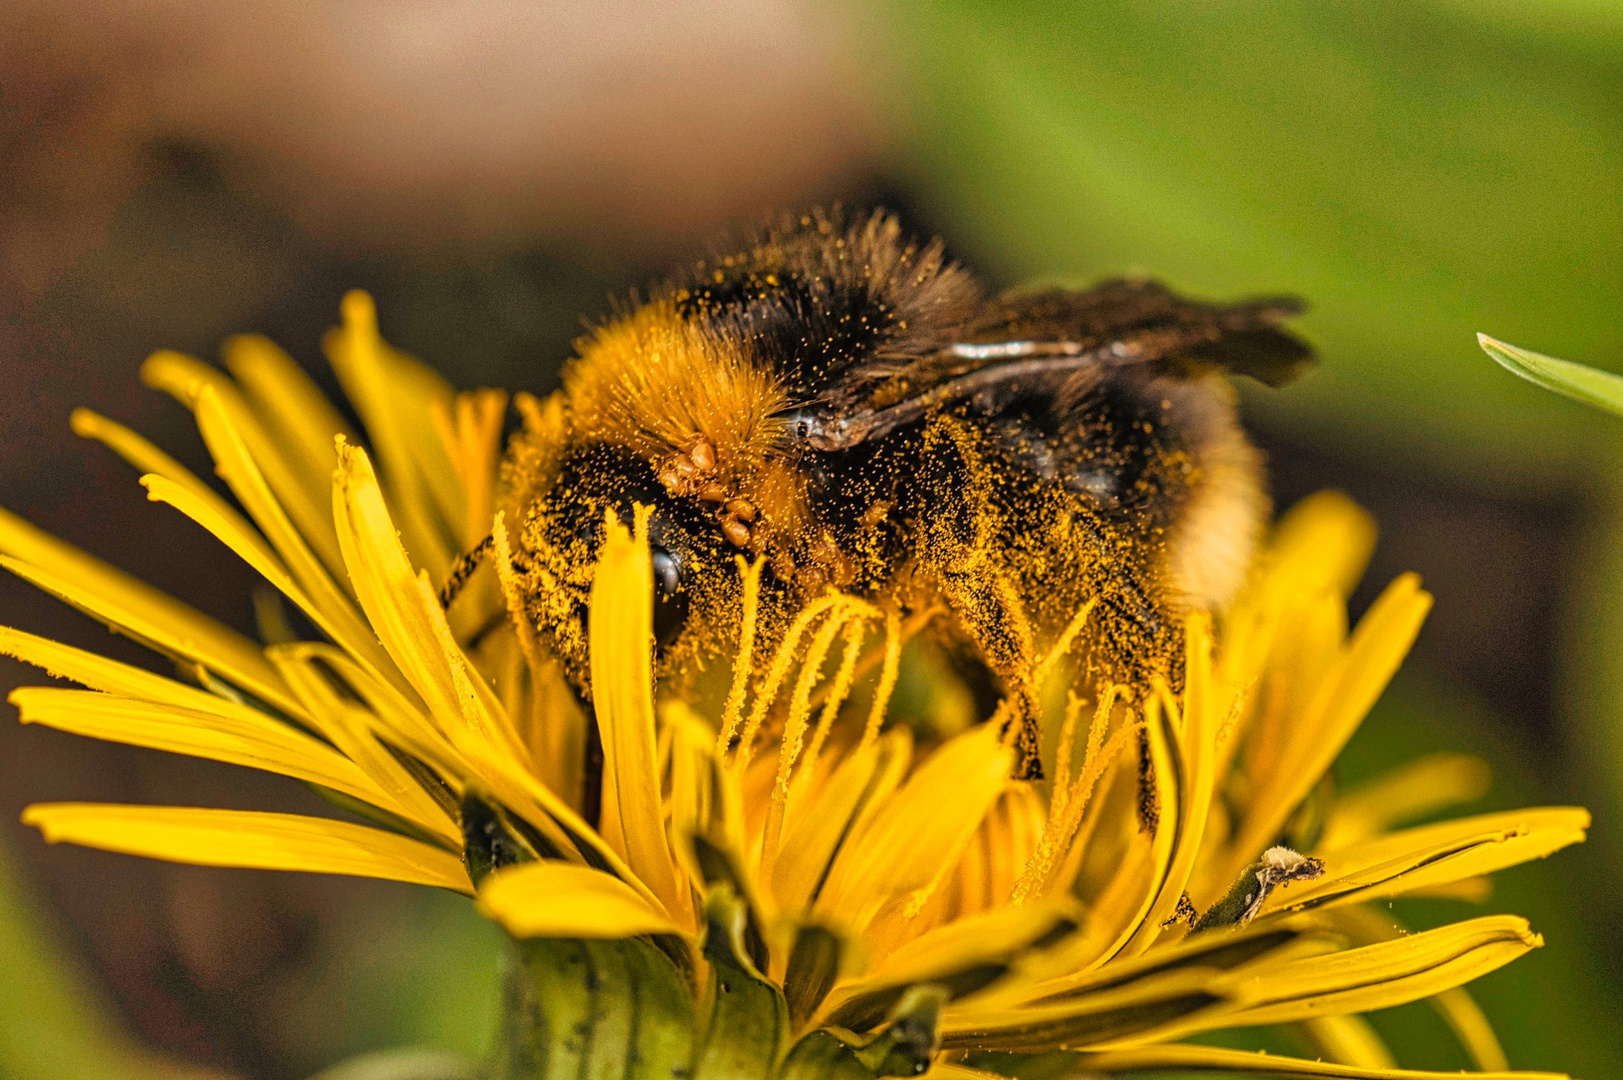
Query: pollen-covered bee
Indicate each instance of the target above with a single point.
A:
(833, 406)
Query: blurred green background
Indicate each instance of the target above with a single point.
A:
(1419, 171)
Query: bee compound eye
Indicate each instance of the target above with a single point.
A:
(667, 574)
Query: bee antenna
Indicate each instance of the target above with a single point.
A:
(463, 569)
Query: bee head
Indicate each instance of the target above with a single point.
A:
(694, 576)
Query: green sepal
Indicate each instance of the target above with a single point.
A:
(748, 1023)
(719, 869)
(904, 1048)
(601, 1009)
(488, 841)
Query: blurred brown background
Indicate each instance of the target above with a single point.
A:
(172, 172)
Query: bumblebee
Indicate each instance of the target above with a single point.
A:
(833, 406)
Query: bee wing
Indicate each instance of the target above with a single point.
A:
(1030, 337)
(1151, 323)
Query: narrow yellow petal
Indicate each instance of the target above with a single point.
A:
(320, 596)
(1436, 854)
(621, 636)
(184, 378)
(386, 585)
(1345, 695)
(471, 430)
(1164, 758)
(254, 742)
(1326, 538)
(1465, 1018)
(946, 1070)
(468, 720)
(1410, 791)
(114, 678)
(249, 839)
(551, 899)
(920, 833)
(354, 731)
(862, 781)
(1349, 1040)
(1243, 1063)
(296, 415)
(989, 940)
(1378, 976)
(99, 673)
(396, 397)
(137, 609)
(1196, 757)
(149, 459)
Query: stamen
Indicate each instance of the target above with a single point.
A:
(874, 656)
(1062, 757)
(887, 677)
(750, 574)
(1057, 834)
(856, 632)
(776, 673)
(794, 731)
(1063, 644)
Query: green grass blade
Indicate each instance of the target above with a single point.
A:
(1589, 385)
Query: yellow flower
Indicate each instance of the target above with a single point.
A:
(779, 884)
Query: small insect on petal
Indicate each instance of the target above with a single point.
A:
(1277, 866)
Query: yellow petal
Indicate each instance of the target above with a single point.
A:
(99, 673)
(1435, 854)
(250, 839)
(980, 944)
(468, 720)
(1410, 791)
(551, 899)
(621, 635)
(318, 594)
(862, 781)
(397, 397)
(255, 742)
(354, 731)
(1345, 695)
(1163, 745)
(1349, 1040)
(920, 833)
(1243, 1063)
(1465, 1018)
(1195, 746)
(149, 459)
(296, 415)
(184, 378)
(138, 610)
(1378, 976)
(386, 586)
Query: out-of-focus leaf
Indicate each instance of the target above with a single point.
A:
(53, 1025)
(1601, 389)
(1414, 170)
(403, 1065)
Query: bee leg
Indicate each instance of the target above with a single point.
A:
(463, 569)
(989, 609)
